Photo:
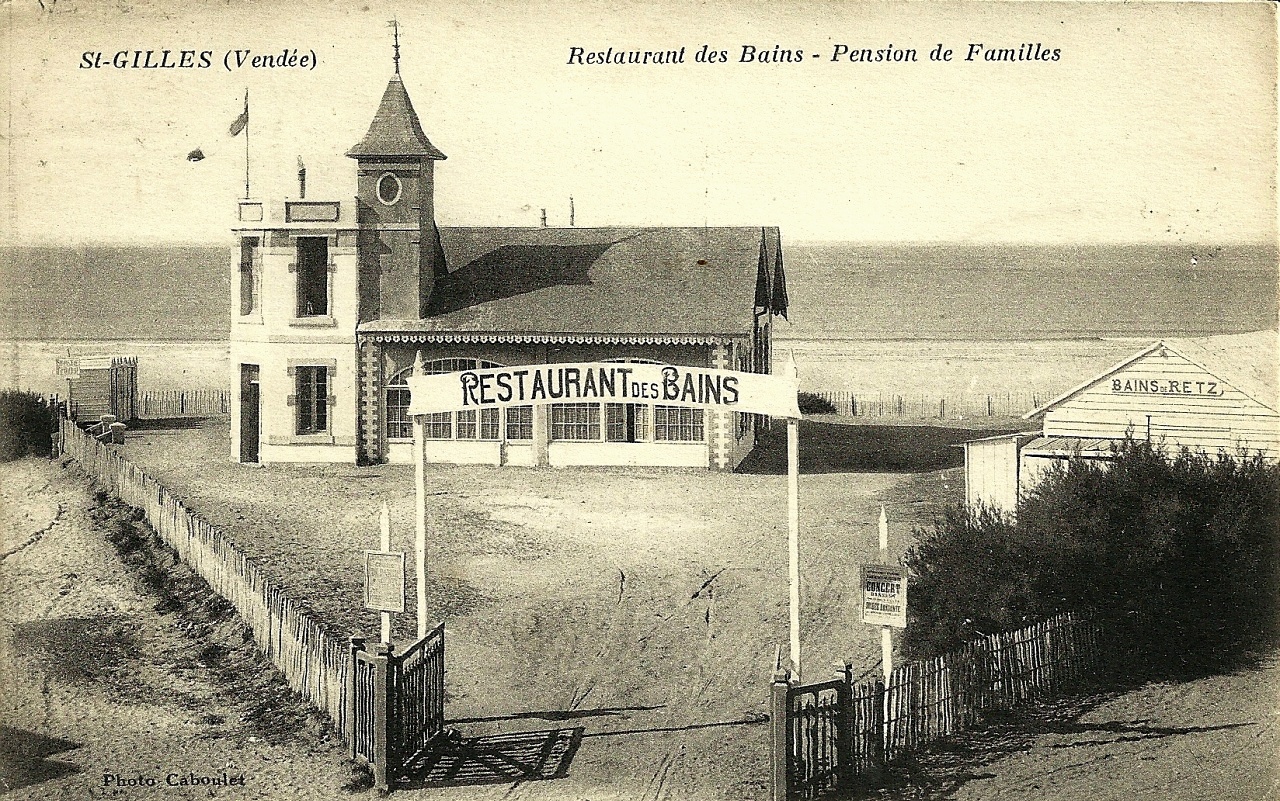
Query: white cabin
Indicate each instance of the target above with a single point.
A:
(1212, 394)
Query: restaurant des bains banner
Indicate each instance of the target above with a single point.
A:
(609, 382)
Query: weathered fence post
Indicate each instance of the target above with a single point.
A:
(383, 699)
(357, 645)
(778, 733)
(880, 725)
(846, 770)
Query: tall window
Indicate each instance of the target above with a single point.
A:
(312, 267)
(519, 422)
(575, 421)
(470, 424)
(312, 399)
(399, 424)
(250, 265)
(626, 422)
(677, 424)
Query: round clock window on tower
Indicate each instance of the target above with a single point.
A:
(388, 189)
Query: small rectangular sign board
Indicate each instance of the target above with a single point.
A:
(67, 368)
(884, 595)
(384, 581)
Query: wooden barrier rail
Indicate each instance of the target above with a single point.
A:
(925, 406)
(166, 403)
(834, 736)
(314, 662)
(388, 706)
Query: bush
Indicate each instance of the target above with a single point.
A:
(815, 404)
(1179, 557)
(25, 425)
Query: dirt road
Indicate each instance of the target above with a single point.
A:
(102, 695)
(1217, 737)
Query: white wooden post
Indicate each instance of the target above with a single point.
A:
(793, 528)
(886, 638)
(384, 527)
(420, 521)
(886, 632)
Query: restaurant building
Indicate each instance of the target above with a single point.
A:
(333, 300)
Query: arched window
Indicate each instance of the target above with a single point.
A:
(485, 424)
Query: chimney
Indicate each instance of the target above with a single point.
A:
(570, 211)
(302, 180)
(544, 218)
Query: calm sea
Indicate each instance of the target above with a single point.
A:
(843, 291)
(849, 304)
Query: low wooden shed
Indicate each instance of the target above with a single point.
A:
(1212, 394)
(98, 385)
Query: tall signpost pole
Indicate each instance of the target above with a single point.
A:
(385, 544)
(793, 527)
(886, 639)
(886, 632)
(420, 521)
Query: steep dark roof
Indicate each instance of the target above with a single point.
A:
(395, 130)
(596, 281)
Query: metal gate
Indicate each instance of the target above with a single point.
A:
(395, 703)
(831, 734)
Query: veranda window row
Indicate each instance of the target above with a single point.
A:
(570, 422)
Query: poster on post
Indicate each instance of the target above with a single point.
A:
(884, 595)
(384, 581)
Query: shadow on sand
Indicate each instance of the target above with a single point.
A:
(24, 758)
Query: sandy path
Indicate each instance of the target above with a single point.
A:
(636, 610)
(94, 681)
(1217, 737)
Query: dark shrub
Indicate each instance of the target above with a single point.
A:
(815, 404)
(1178, 555)
(25, 425)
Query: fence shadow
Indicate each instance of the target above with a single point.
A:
(557, 715)
(943, 767)
(24, 758)
(167, 423)
(494, 759)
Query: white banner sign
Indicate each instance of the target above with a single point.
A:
(609, 382)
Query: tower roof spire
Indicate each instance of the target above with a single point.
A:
(395, 130)
(395, 37)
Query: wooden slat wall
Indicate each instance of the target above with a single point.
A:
(1194, 420)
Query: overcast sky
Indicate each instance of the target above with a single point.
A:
(1157, 123)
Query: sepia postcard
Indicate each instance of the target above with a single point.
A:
(646, 400)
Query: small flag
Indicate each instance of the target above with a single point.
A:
(196, 155)
(243, 119)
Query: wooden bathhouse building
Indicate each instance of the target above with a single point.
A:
(333, 299)
(1213, 394)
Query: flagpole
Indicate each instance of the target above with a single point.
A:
(246, 143)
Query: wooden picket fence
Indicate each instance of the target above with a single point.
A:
(165, 403)
(389, 706)
(920, 405)
(836, 736)
(314, 662)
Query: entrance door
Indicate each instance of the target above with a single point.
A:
(249, 413)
